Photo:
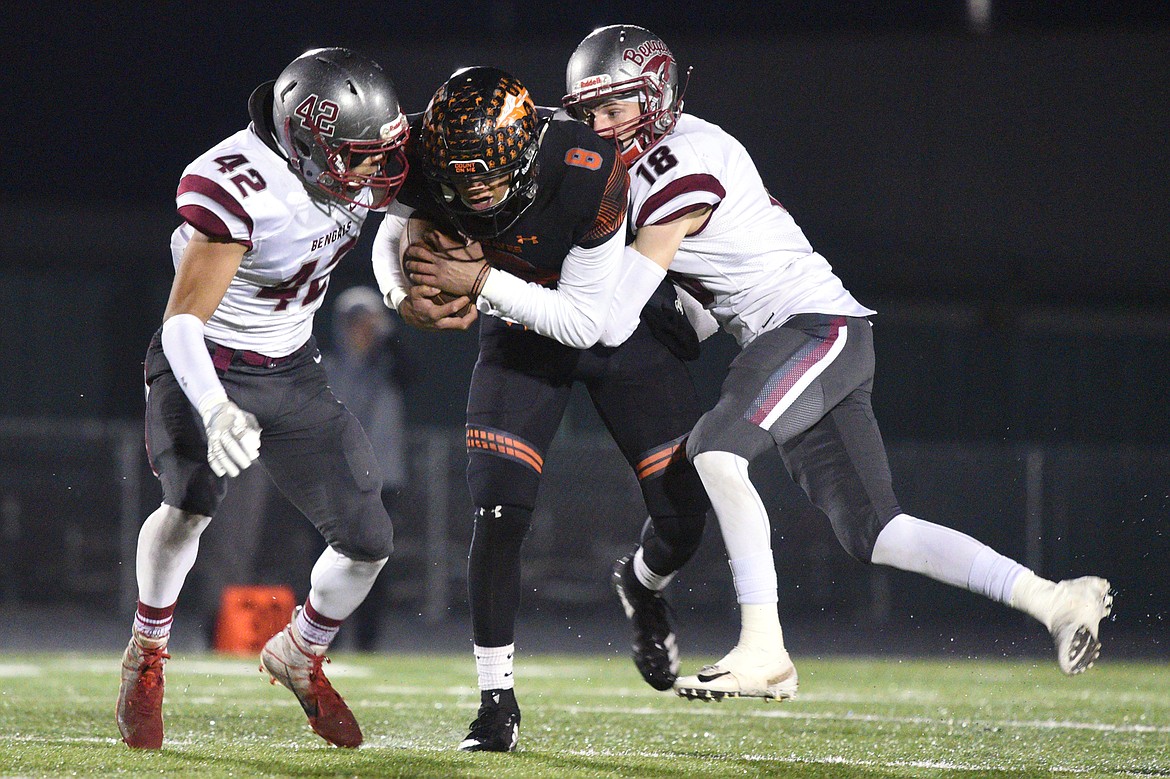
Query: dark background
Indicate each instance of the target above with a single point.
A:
(999, 190)
(995, 187)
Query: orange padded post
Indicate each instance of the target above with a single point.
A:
(251, 614)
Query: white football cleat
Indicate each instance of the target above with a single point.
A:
(1079, 605)
(742, 674)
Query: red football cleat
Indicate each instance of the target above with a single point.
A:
(292, 661)
(140, 697)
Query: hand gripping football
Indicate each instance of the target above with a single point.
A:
(424, 233)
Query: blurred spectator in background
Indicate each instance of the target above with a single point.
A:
(369, 369)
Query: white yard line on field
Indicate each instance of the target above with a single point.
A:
(13, 670)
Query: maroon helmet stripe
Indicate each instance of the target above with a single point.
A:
(202, 185)
(695, 182)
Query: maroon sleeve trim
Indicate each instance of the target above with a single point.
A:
(208, 223)
(204, 186)
(695, 182)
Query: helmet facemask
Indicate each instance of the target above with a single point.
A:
(489, 221)
(332, 166)
(635, 136)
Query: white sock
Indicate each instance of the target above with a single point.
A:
(648, 578)
(946, 555)
(743, 520)
(1035, 596)
(994, 575)
(494, 665)
(760, 628)
(316, 631)
(340, 584)
(168, 544)
(755, 579)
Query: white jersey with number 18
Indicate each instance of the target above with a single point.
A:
(241, 190)
(750, 264)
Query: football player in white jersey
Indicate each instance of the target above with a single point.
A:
(234, 375)
(802, 381)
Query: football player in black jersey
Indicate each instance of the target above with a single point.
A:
(542, 202)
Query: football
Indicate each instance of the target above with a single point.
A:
(423, 233)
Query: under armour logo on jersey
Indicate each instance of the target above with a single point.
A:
(523, 239)
(494, 511)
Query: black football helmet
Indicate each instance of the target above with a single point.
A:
(332, 109)
(625, 62)
(481, 124)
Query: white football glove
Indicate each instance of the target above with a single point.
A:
(233, 437)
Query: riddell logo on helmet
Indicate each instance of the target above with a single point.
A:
(645, 51)
(392, 129)
(593, 82)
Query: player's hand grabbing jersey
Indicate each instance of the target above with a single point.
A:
(243, 191)
(750, 263)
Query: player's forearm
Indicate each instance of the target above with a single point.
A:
(186, 352)
(576, 311)
(640, 277)
(385, 256)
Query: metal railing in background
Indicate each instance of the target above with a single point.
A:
(73, 494)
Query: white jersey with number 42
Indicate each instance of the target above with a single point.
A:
(244, 191)
(750, 264)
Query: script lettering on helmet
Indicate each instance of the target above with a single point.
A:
(645, 51)
(318, 115)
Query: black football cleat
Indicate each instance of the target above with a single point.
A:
(497, 727)
(655, 650)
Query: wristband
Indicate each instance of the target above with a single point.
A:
(395, 297)
(480, 280)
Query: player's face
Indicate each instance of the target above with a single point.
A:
(612, 114)
(482, 194)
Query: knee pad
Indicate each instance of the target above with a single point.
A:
(856, 531)
(668, 542)
(364, 531)
(499, 481)
(721, 430)
(501, 529)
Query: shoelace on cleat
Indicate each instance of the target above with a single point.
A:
(150, 668)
